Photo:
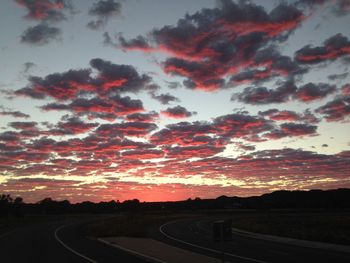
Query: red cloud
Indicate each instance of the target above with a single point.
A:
(337, 109)
(43, 9)
(143, 154)
(214, 43)
(333, 48)
(177, 112)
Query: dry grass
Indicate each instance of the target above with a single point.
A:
(331, 227)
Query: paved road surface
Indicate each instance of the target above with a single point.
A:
(242, 248)
(37, 243)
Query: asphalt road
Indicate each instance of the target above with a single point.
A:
(57, 242)
(196, 235)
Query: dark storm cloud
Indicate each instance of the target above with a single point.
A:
(204, 55)
(333, 48)
(311, 91)
(177, 112)
(164, 98)
(103, 10)
(40, 35)
(263, 95)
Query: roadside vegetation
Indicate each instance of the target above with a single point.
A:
(320, 225)
(133, 224)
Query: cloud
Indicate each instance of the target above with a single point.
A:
(177, 112)
(136, 129)
(15, 114)
(45, 10)
(241, 126)
(184, 134)
(118, 77)
(333, 48)
(40, 35)
(28, 66)
(310, 91)
(61, 86)
(143, 154)
(285, 115)
(71, 126)
(138, 43)
(103, 10)
(71, 84)
(143, 117)
(346, 89)
(29, 92)
(24, 125)
(291, 129)
(338, 76)
(114, 106)
(263, 95)
(211, 44)
(337, 109)
(165, 98)
(193, 151)
(337, 7)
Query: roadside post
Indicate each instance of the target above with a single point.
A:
(222, 232)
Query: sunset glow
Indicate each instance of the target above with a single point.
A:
(169, 100)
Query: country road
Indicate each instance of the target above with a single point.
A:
(63, 242)
(196, 235)
(57, 242)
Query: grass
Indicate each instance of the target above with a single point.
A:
(324, 226)
(133, 225)
(331, 227)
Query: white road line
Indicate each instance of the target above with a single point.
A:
(69, 248)
(205, 248)
(6, 233)
(130, 251)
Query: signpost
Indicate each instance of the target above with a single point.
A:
(222, 232)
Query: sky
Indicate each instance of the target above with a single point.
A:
(165, 100)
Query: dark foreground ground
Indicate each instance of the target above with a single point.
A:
(73, 239)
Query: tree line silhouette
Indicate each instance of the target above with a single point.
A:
(327, 199)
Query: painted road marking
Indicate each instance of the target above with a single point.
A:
(152, 259)
(69, 248)
(204, 248)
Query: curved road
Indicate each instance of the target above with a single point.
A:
(57, 242)
(196, 235)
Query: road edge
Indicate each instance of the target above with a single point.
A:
(68, 247)
(132, 252)
(294, 241)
